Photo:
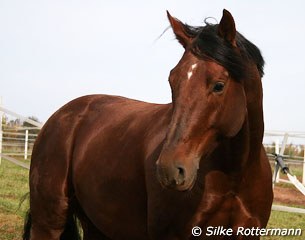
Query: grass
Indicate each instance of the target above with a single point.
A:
(286, 220)
(14, 185)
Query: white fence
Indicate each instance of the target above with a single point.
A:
(16, 141)
(279, 141)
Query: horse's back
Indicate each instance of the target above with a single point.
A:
(57, 138)
(95, 147)
(85, 116)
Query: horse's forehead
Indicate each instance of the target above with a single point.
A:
(189, 60)
(215, 68)
(187, 63)
(190, 66)
(191, 70)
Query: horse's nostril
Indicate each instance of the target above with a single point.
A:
(181, 171)
(180, 179)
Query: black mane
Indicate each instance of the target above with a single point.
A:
(208, 45)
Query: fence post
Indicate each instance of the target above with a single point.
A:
(277, 151)
(303, 180)
(26, 141)
(1, 133)
(284, 143)
(277, 146)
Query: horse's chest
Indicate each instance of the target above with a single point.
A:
(215, 208)
(227, 210)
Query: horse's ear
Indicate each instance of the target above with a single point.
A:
(179, 30)
(226, 28)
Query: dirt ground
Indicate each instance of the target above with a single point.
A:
(288, 196)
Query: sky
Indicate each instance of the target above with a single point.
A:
(54, 51)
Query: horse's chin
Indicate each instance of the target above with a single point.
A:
(185, 186)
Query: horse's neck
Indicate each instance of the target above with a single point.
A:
(245, 147)
(255, 117)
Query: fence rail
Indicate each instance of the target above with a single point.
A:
(17, 141)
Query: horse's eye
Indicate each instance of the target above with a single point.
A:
(218, 87)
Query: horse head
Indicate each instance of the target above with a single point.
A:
(209, 102)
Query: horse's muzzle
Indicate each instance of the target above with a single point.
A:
(175, 176)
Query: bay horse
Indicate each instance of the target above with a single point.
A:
(134, 170)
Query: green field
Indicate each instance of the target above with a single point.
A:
(14, 185)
